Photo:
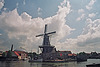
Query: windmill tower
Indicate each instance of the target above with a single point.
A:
(46, 46)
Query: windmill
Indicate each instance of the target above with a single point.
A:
(46, 46)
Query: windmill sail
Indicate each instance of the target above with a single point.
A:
(39, 35)
(52, 32)
(12, 47)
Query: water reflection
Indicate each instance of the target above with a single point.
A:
(14, 64)
(6, 64)
(68, 64)
(27, 64)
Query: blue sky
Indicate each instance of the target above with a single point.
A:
(77, 24)
(31, 6)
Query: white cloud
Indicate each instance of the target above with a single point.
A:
(89, 6)
(91, 32)
(24, 2)
(1, 4)
(81, 11)
(81, 17)
(92, 15)
(26, 16)
(17, 5)
(4, 9)
(39, 11)
(22, 29)
(0, 34)
(63, 3)
(89, 40)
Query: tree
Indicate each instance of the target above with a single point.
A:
(9, 54)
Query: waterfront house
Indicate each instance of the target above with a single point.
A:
(16, 55)
(65, 55)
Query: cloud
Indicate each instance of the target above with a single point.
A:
(63, 3)
(81, 11)
(39, 11)
(24, 2)
(92, 15)
(81, 17)
(89, 40)
(26, 17)
(4, 9)
(17, 5)
(21, 30)
(89, 6)
(91, 34)
(1, 4)
(0, 34)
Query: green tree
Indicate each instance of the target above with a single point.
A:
(9, 54)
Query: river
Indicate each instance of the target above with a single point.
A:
(27, 64)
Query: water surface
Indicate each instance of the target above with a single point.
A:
(27, 64)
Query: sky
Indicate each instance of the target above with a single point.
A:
(77, 24)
